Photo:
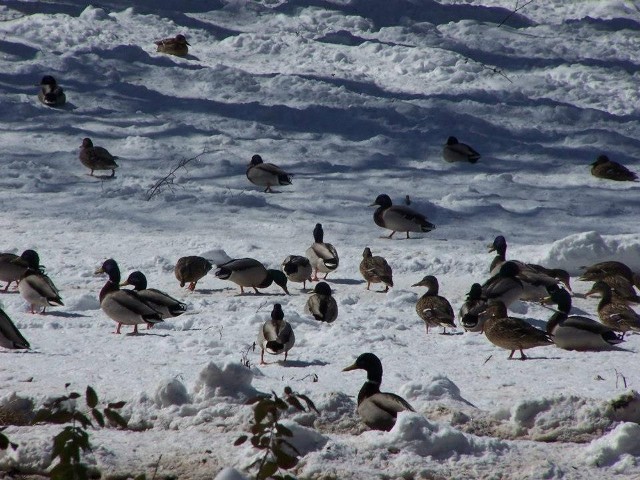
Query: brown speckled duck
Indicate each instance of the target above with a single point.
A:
(432, 308)
(375, 270)
(177, 46)
(610, 170)
(191, 269)
(398, 218)
(454, 151)
(599, 271)
(13, 267)
(96, 158)
(615, 313)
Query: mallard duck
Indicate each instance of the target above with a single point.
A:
(576, 332)
(615, 313)
(51, 94)
(621, 288)
(276, 335)
(471, 313)
(398, 218)
(10, 336)
(323, 256)
(605, 168)
(160, 301)
(297, 269)
(125, 307)
(454, 151)
(432, 308)
(600, 270)
(36, 287)
(266, 174)
(13, 267)
(248, 272)
(505, 286)
(378, 410)
(512, 333)
(321, 304)
(191, 269)
(177, 46)
(375, 270)
(96, 158)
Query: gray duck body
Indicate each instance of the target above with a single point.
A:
(321, 304)
(276, 335)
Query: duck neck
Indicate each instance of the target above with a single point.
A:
(606, 298)
(108, 288)
(377, 216)
(369, 388)
(555, 320)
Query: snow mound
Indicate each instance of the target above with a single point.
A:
(440, 388)
(232, 380)
(230, 474)
(216, 256)
(171, 392)
(82, 303)
(623, 441)
(304, 439)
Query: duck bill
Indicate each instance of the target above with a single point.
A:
(98, 271)
(373, 205)
(491, 248)
(590, 292)
(350, 367)
(419, 284)
(125, 283)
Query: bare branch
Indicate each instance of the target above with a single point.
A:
(166, 182)
(518, 8)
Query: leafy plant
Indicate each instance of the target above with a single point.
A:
(5, 442)
(268, 434)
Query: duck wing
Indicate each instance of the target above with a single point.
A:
(10, 336)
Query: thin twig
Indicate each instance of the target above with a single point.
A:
(168, 179)
(155, 470)
(619, 375)
(514, 11)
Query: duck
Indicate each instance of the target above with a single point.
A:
(377, 410)
(471, 313)
(600, 270)
(191, 269)
(512, 333)
(10, 336)
(605, 168)
(177, 46)
(504, 286)
(160, 301)
(576, 332)
(13, 267)
(51, 94)
(297, 269)
(321, 305)
(621, 288)
(248, 272)
(37, 288)
(96, 158)
(398, 218)
(125, 307)
(615, 313)
(276, 335)
(323, 256)
(266, 174)
(454, 151)
(432, 308)
(375, 270)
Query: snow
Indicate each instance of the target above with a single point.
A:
(355, 98)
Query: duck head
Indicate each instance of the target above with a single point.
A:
(279, 278)
(600, 160)
(322, 288)
(32, 259)
(370, 363)
(499, 245)
(475, 293)
(255, 160)
(600, 287)
(318, 233)
(48, 83)
(110, 267)
(137, 279)
(383, 200)
(367, 253)
(182, 39)
(277, 314)
(560, 297)
(452, 141)
(430, 282)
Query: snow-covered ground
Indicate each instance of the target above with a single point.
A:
(355, 98)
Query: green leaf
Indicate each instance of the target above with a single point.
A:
(284, 431)
(141, 477)
(115, 418)
(240, 440)
(290, 445)
(98, 416)
(116, 405)
(309, 403)
(284, 460)
(4, 442)
(261, 411)
(92, 398)
(74, 395)
(82, 419)
(281, 404)
(267, 469)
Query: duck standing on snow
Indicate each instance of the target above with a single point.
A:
(398, 218)
(610, 170)
(97, 158)
(13, 267)
(323, 256)
(454, 151)
(375, 270)
(10, 336)
(615, 313)
(51, 94)
(276, 335)
(378, 410)
(471, 313)
(297, 269)
(191, 269)
(36, 287)
(266, 174)
(177, 46)
(433, 309)
(160, 301)
(505, 286)
(321, 304)
(248, 272)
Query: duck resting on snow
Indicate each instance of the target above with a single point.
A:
(266, 174)
(398, 218)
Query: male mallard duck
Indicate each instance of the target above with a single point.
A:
(512, 333)
(50, 93)
(276, 335)
(471, 313)
(454, 151)
(505, 286)
(378, 410)
(321, 304)
(600, 270)
(615, 313)
(605, 168)
(13, 267)
(160, 301)
(266, 174)
(191, 269)
(432, 308)
(248, 272)
(177, 46)
(10, 336)
(375, 270)
(576, 332)
(36, 287)
(297, 269)
(399, 218)
(96, 158)
(124, 306)
(323, 256)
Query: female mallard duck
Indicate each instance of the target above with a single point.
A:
(96, 158)
(576, 332)
(512, 333)
(124, 306)
(51, 94)
(191, 269)
(163, 303)
(432, 308)
(321, 304)
(266, 174)
(276, 335)
(378, 410)
(36, 287)
(177, 46)
(599, 271)
(10, 336)
(13, 267)
(398, 218)
(375, 270)
(454, 151)
(323, 256)
(605, 168)
(248, 272)
(615, 313)
(472, 311)
(297, 269)
(621, 288)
